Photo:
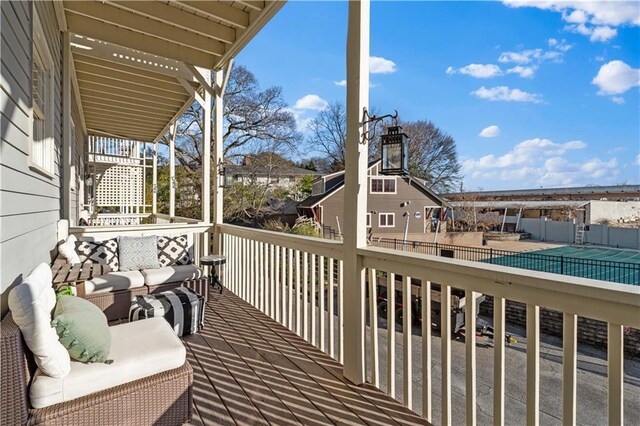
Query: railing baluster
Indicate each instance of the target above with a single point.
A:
(533, 364)
(470, 344)
(255, 274)
(290, 290)
(305, 296)
(373, 328)
(426, 350)
(313, 299)
(615, 373)
(261, 276)
(321, 305)
(445, 341)
(407, 349)
(391, 334)
(341, 310)
(498, 360)
(298, 311)
(277, 283)
(332, 344)
(569, 359)
(272, 282)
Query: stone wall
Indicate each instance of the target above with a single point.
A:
(590, 331)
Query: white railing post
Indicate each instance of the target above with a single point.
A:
(355, 193)
(533, 365)
(407, 350)
(569, 364)
(373, 328)
(499, 336)
(470, 343)
(391, 337)
(218, 196)
(615, 372)
(445, 353)
(172, 169)
(426, 349)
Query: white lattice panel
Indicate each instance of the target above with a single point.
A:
(120, 185)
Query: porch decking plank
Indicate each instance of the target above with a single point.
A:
(249, 369)
(313, 405)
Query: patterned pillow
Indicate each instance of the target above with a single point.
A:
(174, 251)
(138, 253)
(102, 252)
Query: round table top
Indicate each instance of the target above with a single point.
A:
(214, 259)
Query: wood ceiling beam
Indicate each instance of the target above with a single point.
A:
(141, 24)
(226, 14)
(110, 66)
(129, 120)
(177, 115)
(122, 91)
(180, 18)
(252, 4)
(125, 109)
(143, 89)
(123, 37)
(120, 55)
(133, 117)
(121, 101)
(88, 93)
(105, 123)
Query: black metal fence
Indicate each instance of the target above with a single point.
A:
(619, 272)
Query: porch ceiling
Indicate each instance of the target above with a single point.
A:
(132, 58)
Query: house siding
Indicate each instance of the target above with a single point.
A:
(30, 203)
(383, 203)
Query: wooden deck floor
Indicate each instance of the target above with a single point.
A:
(249, 369)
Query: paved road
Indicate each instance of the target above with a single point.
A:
(592, 380)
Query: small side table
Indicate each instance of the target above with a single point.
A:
(214, 261)
(76, 274)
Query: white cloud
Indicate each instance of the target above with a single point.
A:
(540, 161)
(311, 102)
(504, 93)
(616, 77)
(477, 70)
(490, 132)
(595, 12)
(637, 161)
(590, 18)
(617, 100)
(525, 72)
(526, 152)
(379, 65)
(341, 83)
(523, 57)
(604, 33)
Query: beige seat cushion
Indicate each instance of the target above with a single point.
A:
(171, 274)
(112, 281)
(139, 349)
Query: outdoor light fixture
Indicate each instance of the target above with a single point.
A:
(395, 152)
(222, 175)
(394, 145)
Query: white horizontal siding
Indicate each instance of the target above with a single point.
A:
(29, 202)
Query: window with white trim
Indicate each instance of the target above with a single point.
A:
(386, 220)
(41, 148)
(383, 185)
(368, 220)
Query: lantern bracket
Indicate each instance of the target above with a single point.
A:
(373, 121)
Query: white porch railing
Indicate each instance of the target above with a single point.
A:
(113, 150)
(118, 219)
(291, 279)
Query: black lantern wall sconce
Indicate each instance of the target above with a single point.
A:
(394, 144)
(222, 175)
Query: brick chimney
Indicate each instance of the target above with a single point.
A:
(246, 161)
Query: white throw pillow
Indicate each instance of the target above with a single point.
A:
(68, 250)
(31, 304)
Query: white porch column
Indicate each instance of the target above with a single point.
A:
(154, 198)
(206, 160)
(68, 172)
(218, 111)
(172, 169)
(355, 193)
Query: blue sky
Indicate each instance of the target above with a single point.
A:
(536, 94)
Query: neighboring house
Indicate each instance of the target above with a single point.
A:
(277, 175)
(393, 203)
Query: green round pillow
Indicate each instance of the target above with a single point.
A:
(83, 329)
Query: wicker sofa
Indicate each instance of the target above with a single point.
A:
(116, 301)
(164, 398)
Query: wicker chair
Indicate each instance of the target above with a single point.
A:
(162, 399)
